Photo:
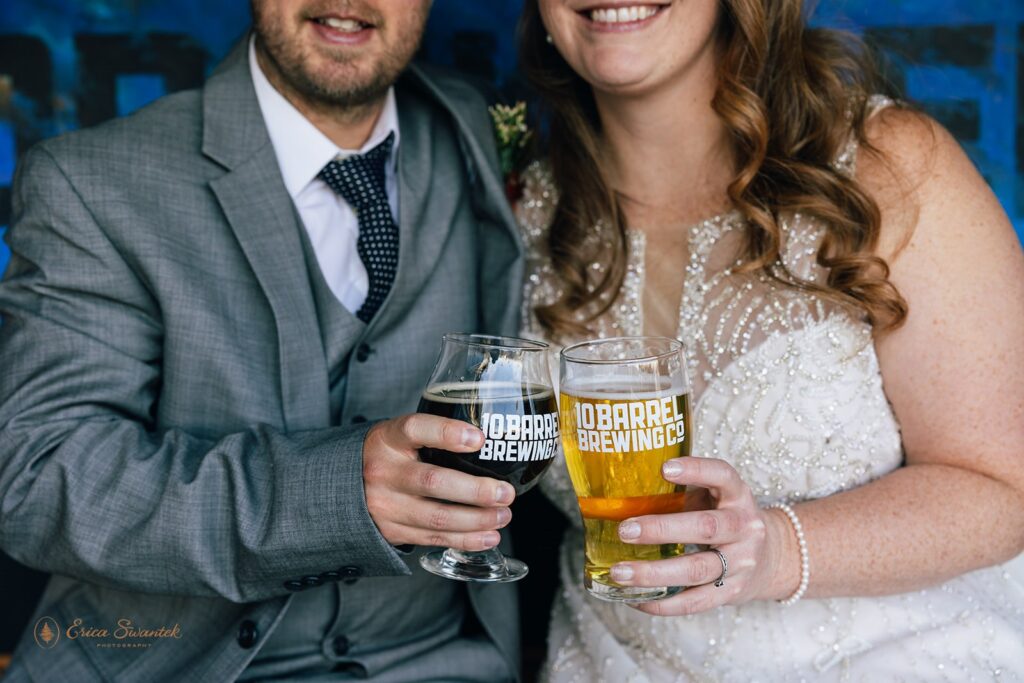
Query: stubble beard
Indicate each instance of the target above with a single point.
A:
(333, 90)
(339, 83)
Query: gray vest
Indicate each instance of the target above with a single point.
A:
(408, 628)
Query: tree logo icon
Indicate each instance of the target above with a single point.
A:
(46, 632)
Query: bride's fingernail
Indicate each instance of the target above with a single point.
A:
(629, 530)
(622, 572)
(671, 469)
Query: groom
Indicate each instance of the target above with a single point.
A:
(211, 309)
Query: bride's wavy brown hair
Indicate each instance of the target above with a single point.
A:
(790, 96)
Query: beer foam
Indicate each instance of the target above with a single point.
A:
(618, 388)
(474, 392)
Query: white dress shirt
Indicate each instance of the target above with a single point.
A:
(302, 151)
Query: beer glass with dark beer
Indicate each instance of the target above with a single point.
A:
(503, 386)
(624, 410)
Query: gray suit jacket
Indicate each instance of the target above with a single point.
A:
(166, 449)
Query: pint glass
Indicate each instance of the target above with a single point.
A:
(624, 410)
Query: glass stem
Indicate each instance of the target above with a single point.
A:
(489, 558)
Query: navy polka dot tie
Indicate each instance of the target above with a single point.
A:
(359, 179)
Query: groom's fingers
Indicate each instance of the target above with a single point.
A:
(390, 461)
(389, 458)
(422, 504)
(473, 541)
(433, 515)
(431, 481)
(418, 430)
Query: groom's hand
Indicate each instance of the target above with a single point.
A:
(412, 502)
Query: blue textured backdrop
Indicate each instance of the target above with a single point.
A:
(69, 63)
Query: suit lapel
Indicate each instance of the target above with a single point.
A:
(261, 214)
(501, 263)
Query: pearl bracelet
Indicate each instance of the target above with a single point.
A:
(805, 561)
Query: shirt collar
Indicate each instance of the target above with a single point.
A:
(301, 149)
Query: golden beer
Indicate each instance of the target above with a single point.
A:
(615, 443)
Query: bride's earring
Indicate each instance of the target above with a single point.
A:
(551, 41)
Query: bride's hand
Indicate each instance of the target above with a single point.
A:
(732, 522)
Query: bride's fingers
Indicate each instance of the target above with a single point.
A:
(687, 570)
(690, 601)
(698, 498)
(710, 527)
(709, 473)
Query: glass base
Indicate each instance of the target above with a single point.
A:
(628, 594)
(489, 566)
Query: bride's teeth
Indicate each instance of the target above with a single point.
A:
(622, 15)
(347, 25)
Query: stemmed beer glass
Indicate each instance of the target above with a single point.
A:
(503, 386)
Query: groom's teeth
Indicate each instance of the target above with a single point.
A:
(623, 15)
(346, 25)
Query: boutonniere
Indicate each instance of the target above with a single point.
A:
(513, 138)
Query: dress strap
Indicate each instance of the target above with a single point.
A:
(846, 162)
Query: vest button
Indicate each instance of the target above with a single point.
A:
(332, 575)
(363, 353)
(247, 634)
(294, 586)
(312, 581)
(340, 645)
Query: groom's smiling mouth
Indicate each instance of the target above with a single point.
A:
(342, 29)
(621, 16)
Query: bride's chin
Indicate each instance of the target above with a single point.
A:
(619, 81)
(620, 89)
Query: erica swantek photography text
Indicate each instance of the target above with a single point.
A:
(125, 634)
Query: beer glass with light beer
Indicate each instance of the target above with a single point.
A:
(503, 386)
(624, 410)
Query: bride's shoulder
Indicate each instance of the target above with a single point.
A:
(910, 166)
(535, 208)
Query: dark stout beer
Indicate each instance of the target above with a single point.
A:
(519, 421)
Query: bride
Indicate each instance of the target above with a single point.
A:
(849, 292)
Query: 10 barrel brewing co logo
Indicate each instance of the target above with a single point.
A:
(519, 438)
(125, 635)
(629, 426)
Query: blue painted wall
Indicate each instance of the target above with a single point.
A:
(68, 63)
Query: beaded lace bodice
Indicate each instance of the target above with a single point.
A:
(787, 388)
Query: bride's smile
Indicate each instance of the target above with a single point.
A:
(629, 48)
(622, 17)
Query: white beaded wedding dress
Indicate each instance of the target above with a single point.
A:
(787, 389)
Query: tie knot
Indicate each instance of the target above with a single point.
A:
(360, 178)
